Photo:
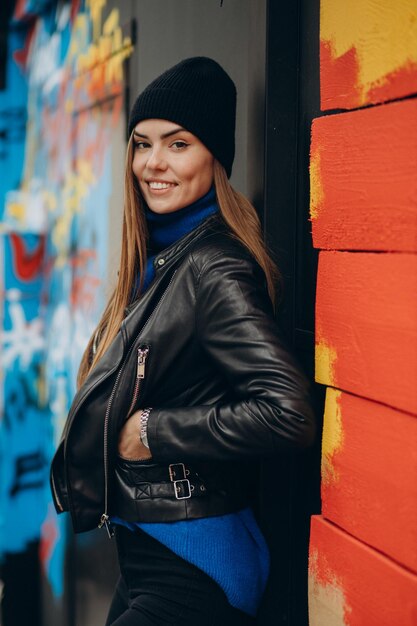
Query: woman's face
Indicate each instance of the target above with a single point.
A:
(172, 166)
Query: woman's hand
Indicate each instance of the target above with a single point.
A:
(130, 444)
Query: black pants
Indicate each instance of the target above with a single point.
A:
(157, 587)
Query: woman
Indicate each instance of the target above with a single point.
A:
(186, 379)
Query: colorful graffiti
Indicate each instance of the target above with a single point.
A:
(62, 103)
(23, 433)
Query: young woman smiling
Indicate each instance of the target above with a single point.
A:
(187, 378)
(171, 165)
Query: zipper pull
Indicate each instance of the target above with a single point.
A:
(142, 355)
(104, 521)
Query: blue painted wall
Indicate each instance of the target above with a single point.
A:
(62, 101)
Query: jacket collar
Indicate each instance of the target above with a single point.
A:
(171, 255)
(179, 247)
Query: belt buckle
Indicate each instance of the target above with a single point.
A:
(173, 472)
(185, 483)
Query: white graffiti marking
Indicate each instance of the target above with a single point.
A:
(23, 340)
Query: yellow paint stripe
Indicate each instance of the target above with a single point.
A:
(325, 359)
(332, 440)
(316, 186)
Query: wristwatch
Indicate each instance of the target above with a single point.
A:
(144, 426)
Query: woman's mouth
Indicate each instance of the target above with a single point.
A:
(159, 185)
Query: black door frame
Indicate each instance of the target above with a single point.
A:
(290, 483)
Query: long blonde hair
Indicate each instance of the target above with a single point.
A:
(237, 212)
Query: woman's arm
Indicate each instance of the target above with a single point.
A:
(235, 325)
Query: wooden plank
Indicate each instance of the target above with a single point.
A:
(368, 52)
(369, 474)
(350, 584)
(363, 179)
(366, 325)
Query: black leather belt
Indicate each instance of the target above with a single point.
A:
(159, 481)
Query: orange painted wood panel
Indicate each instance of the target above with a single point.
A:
(368, 51)
(366, 325)
(369, 473)
(363, 183)
(351, 584)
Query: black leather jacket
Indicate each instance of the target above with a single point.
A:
(223, 386)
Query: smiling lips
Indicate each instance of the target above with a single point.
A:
(155, 185)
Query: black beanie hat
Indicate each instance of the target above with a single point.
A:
(200, 96)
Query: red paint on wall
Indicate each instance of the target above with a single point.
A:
(49, 538)
(21, 13)
(75, 7)
(375, 590)
(85, 282)
(339, 85)
(26, 264)
(366, 309)
(364, 183)
(363, 562)
(369, 492)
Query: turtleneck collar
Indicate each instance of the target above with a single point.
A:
(166, 228)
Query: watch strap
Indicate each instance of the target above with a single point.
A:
(144, 426)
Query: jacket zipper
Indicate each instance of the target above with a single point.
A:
(143, 352)
(104, 520)
(70, 419)
(140, 374)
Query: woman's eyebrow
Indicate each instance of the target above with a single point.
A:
(164, 135)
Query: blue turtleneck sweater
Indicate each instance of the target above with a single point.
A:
(229, 548)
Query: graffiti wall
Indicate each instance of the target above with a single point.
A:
(363, 547)
(62, 104)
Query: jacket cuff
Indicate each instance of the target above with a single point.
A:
(151, 431)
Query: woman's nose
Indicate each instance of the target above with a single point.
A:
(156, 160)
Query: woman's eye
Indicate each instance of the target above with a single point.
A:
(178, 145)
(140, 145)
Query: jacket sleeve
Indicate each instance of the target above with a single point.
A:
(236, 327)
